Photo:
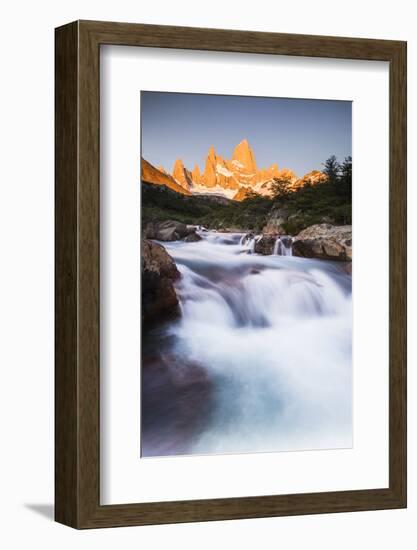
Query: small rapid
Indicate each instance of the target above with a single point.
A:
(283, 246)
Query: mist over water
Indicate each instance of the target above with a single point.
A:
(259, 359)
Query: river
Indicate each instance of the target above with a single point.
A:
(259, 359)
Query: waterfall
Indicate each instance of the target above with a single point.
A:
(283, 246)
(260, 358)
(255, 240)
(247, 242)
(278, 247)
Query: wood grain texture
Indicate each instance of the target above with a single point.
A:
(78, 284)
(66, 237)
(398, 274)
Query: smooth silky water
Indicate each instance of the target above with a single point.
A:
(259, 358)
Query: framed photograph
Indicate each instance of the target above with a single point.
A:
(230, 274)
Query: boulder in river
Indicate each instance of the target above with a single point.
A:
(192, 237)
(169, 230)
(325, 241)
(158, 275)
(265, 245)
(248, 237)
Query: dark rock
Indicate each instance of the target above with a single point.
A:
(169, 230)
(192, 238)
(158, 275)
(149, 232)
(265, 245)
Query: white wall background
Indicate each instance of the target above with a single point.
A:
(26, 272)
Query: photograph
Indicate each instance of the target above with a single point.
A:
(209, 256)
(246, 274)
(209, 267)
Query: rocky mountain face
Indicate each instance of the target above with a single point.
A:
(157, 176)
(312, 178)
(182, 175)
(234, 178)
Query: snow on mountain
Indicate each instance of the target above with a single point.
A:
(233, 178)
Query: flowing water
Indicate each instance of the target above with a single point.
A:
(259, 358)
(283, 246)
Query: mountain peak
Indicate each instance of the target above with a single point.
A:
(182, 175)
(178, 165)
(244, 155)
(210, 168)
(196, 174)
(150, 174)
(234, 178)
(212, 153)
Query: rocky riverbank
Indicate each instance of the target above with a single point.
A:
(231, 352)
(323, 241)
(159, 272)
(171, 230)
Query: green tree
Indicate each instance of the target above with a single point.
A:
(345, 186)
(332, 169)
(346, 175)
(281, 187)
(251, 195)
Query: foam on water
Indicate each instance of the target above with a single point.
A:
(273, 334)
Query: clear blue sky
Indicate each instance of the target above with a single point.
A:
(295, 133)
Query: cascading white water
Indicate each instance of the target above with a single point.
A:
(248, 242)
(282, 248)
(271, 336)
(277, 246)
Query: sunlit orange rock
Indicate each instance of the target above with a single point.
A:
(240, 174)
(196, 174)
(150, 174)
(312, 178)
(182, 175)
(244, 155)
(209, 176)
(242, 194)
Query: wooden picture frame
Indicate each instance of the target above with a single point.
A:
(77, 382)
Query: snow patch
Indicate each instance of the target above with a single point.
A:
(263, 187)
(203, 190)
(224, 171)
